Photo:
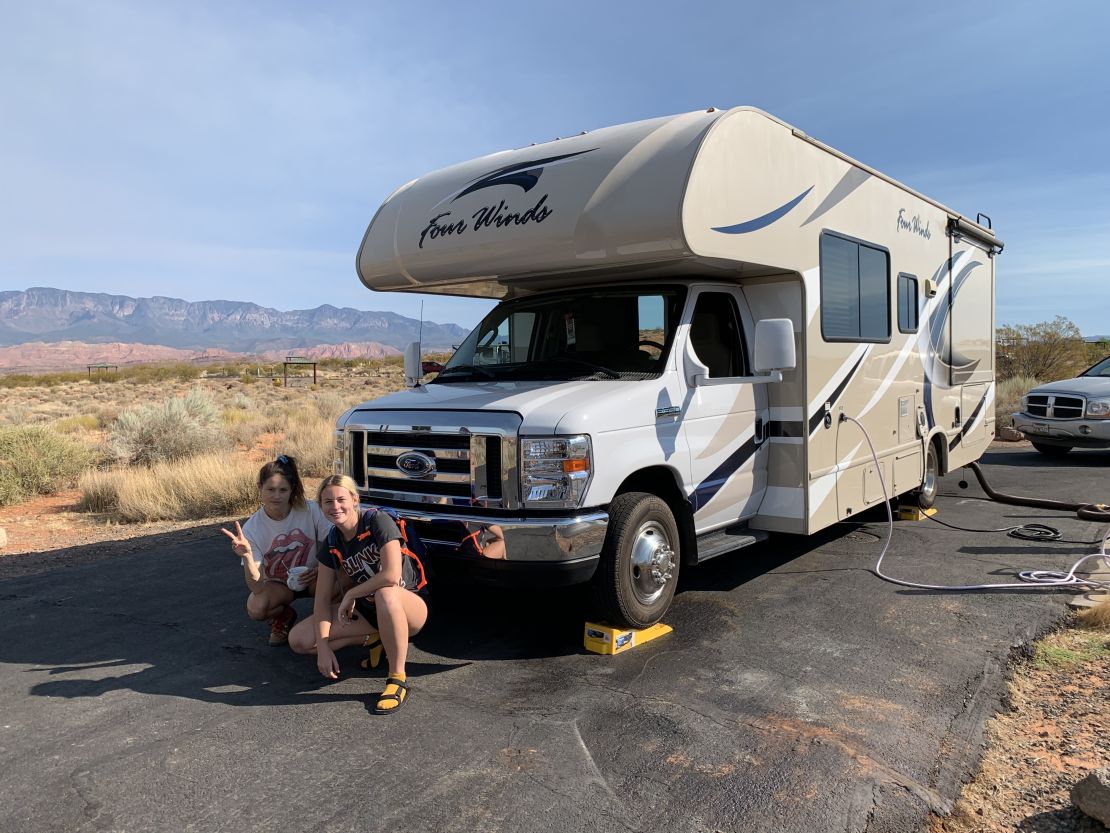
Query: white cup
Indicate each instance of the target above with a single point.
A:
(294, 581)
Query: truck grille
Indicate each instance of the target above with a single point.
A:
(1053, 406)
(440, 467)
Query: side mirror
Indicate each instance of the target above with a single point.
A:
(774, 345)
(413, 372)
(431, 367)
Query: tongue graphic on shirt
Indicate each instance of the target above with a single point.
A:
(287, 550)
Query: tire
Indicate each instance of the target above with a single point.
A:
(638, 572)
(927, 494)
(1052, 450)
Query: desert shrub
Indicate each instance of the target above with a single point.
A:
(331, 404)
(1048, 350)
(37, 380)
(73, 424)
(1007, 400)
(1097, 617)
(142, 373)
(176, 428)
(35, 460)
(310, 438)
(200, 487)
(242, 402)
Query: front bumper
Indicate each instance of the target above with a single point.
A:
(1077, 433)
(512, 551)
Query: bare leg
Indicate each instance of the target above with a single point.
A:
(401, 615)
(268, 601)
(302, 639)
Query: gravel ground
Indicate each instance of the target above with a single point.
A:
(1055, 728)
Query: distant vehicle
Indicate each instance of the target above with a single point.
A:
(1071, 413)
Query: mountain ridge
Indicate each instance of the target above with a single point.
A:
(44, 314)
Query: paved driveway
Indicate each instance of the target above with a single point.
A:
(797, 693)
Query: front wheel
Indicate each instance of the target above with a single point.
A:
(636, 578)
(1052, 450)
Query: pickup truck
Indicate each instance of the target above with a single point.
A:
(1071, 413)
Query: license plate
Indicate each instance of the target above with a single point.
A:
(1037, 428)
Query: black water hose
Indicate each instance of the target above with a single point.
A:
(1086, 511)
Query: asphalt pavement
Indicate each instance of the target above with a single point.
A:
(798, 692)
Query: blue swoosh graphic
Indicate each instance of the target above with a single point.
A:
(523, 174)
(766, 219)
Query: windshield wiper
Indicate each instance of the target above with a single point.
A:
(466, 368)
(597, 368)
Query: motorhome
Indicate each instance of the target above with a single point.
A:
(704, 324)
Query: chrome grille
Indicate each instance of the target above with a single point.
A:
(453, 465)
(1054, 406)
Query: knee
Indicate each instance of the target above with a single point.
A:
(388, 598)
(302, 640)
(257, 606)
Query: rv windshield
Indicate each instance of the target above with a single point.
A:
(612, 333)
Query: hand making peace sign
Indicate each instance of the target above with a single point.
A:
(239, 543)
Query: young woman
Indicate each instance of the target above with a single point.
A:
(284, 533)
(382, 589)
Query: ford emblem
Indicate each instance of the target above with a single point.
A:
(415, 464)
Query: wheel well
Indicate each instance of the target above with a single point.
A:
(942, 454)
(660, 481)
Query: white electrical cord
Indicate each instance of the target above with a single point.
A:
(1030, 579)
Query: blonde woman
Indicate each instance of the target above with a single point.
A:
(381, 587)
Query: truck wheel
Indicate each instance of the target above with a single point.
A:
(927, 494)
(635, 580)
(1052, 450)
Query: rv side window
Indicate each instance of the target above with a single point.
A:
(717, 337)
(855, 290)
(907, 303)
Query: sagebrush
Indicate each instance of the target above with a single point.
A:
(35, 460)
(174, 429)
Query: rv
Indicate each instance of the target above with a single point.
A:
(705, 322)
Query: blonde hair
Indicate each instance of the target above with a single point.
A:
(342, 480)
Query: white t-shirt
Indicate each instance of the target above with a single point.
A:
(291, 542)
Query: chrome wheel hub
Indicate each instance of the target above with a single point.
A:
(653, 563)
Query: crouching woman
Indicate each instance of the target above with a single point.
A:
(381, 591)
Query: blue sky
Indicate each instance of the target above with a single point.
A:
(238, 150)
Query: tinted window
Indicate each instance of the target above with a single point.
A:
(855, 291)
(907, 303)
(717, 336)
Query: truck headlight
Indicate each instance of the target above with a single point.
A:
(340, 451)
(1098, 408)
(554, 471)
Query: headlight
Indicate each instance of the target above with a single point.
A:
(554, 471)
(1098, 408)
(340, 451)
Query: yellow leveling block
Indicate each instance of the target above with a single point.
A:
(913, 512)
(605, 639)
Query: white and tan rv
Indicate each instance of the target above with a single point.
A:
(691, 308)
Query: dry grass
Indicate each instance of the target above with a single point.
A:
(192, 489)
(253, 418)
(1097, 617)
(310, 439)
(1007, 399)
